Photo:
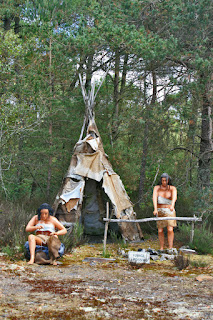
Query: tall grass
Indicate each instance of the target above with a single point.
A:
(202, 241)
(118, 240)
(74, 237)
(14, 219)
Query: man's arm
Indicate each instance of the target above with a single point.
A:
(31, 226)
(174, 198)
(155, 200)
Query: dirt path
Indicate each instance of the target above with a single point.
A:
(109, 290)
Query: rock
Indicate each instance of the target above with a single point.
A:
(203, 277)
(101, 300)
(87, 309)
(98, 259)
(139, 257)
(123, 253)
(154, 257)
(172, 251)
(169, 256)
(3, 254)
(163, 258)
(13, 266)
(152, 252)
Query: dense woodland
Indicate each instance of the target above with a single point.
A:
(153, 111)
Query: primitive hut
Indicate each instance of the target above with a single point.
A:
(90, 182)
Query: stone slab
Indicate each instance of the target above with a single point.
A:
(139, 257)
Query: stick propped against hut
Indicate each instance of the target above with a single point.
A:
(91, 181)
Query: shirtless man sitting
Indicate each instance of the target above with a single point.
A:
(164, 198)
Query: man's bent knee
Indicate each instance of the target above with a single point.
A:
(160, 230)
(31, 237)
(170, 229)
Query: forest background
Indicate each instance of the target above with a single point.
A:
(153, 111)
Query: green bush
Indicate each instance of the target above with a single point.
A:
(106, 254)
(118, 240)
(13, 223)
(74, 237)
(202, 241)
(183, 233)
(198, 264)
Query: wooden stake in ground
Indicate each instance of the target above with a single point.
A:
(106, 226)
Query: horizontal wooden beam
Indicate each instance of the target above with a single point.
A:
(155, 219)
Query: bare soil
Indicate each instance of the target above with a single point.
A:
(78, 289)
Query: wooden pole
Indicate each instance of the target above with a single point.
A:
(192, 232)
(106, 226)
(155, 219)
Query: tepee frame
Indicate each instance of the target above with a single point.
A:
(89, 162)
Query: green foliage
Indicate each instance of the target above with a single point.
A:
(202, 241)
(118, 240)
(42, 110)
(14, 220)
(198, 263)
(74, 237)
(8, 250)
(106, 254)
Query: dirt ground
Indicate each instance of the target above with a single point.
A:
(78, 289)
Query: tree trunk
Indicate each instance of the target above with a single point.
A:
(146, 137)
(50, 161)
(116, 95)
(7, 23)
(19, 172)
(124, 73)
(49, 175)
(89, 72)
(206, 144)
(143, 163)
(191, 137)
(116, 83)
(17, 25)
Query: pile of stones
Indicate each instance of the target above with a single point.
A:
(145, 255)
(162, 255)
(149, 254)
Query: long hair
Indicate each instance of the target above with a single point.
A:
(44, 206)
(168, 179)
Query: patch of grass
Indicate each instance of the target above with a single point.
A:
(106, 254)
(198, 264)
(118, 240)
(74, 237)
(12, 230)
(202, 241)
(8, 250)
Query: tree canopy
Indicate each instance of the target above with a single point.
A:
(154, 107)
